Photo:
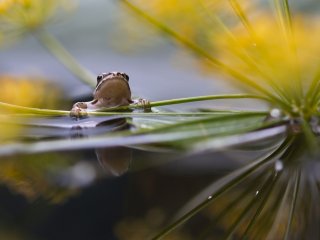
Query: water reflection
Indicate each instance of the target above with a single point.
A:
(70, 179)
(114, 160)
(70, 170)
(261, 200)
(57, 176)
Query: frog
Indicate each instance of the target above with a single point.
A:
(112, 90)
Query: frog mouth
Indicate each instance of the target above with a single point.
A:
(104, 81)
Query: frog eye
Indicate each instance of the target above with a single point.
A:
(125, 76)
(99, 78)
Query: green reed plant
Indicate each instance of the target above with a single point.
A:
(281, 70)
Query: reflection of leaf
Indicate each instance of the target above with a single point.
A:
(264, 199)
(219, 187)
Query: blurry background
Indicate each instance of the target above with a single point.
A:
(94, 34)
(91, 32)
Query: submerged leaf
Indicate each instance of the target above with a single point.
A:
(181, 134)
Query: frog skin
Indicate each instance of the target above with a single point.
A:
(112, 90)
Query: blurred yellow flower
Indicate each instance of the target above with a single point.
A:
(20, 16)
(269, 56)
(4, 5)
(25, 92)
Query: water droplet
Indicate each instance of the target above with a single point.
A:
(209, 197)
(257, 192)
(278, 166)
(275, 113)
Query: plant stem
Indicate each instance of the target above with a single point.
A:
(243, 17)
(58, 51)
(285, 22)
(236, 201)
(261, 197)
(311, 138)
(293, 204)
(312, 94)
(187, 100)
(278, 208)
(262, 204)
(205, 98)
(111, 111)
(29, 110)
(288, 15)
